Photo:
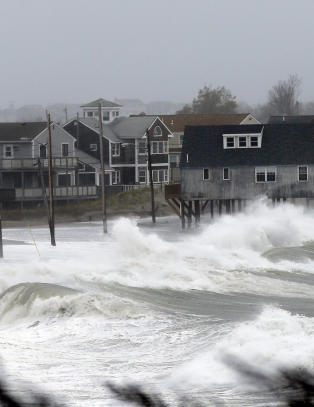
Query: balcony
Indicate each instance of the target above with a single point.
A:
(32, 163)
(71, 192)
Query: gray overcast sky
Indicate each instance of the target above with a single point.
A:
(78, 50)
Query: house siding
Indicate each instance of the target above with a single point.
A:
(243, 186)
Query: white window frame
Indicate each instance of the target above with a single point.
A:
(93, 147)
(266, 171)
(116, 177)
(307, 173)
(229, 174)
(89, 114)
(258, 142)
(115, 149)
(246, 142)
(157, 175)
(64, 144)
(155, 145)
(144, 147)
(154, 131)
(143, 170)
(206, 179)
(234, 141)
(10, 146)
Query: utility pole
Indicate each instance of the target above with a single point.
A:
(150, 170)
(50, 176)
(102, 169)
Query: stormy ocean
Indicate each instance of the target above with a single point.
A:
(158, 307)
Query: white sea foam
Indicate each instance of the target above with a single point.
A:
(276, 339)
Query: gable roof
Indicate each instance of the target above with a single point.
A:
(177, 122)
(291, 144)
(120, 128)
(104, 103)
(291, 119)
(131, 127)
(10, 132)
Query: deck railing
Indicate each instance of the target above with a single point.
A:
(32, 163)
(59, 192)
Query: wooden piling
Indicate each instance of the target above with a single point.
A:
(219, 207)
(182, 216)
(197, 211)
(212, 208)
(190, 212)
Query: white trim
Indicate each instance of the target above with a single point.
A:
(206, 179)
(265, 170)
(62, 149)
(11, 148)
(229, 174)
(136, 159)
(307, 173)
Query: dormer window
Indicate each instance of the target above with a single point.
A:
(230, 142)
(89, 114)
(242, 142)
(253, 141)
(246, 140)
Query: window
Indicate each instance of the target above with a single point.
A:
(230, 142)
(181, 139)
(265, 174)
(206, 174)
(142, 149)
(93, 147)
(160, 175)
(117, 114)
(253, 141)
(115, 149)
(64, 149)
(42, 151)
(303, 173)
(242, 142)
(8, 151)
(226, 174)
(89, 114)
(159, 147)
(157, 131)
(174, 160)
(64, 180)
(106, 116)
(116, 177)
(142, 176)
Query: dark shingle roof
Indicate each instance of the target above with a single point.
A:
(291, 119)
(177, 122)
(131, 127)
(291, 144)
(104, 103)
(10, 132)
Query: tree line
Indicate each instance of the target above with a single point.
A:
(283, 99)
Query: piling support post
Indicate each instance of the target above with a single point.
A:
(228, 206)
(182, 214)
(197, 212)
(190, 211)
(239, 205)
(212, 208)
(233, 205)
(219, 207)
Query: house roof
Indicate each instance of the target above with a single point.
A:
(88, 159)
(121, 128)
(10, 132)
(291, 144)
(130, 127)
(177, 122)
(291, 119)
(104, 103)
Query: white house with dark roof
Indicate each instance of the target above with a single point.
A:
(109, 110)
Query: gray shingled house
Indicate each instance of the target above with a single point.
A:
(23, 151)
(229, 163)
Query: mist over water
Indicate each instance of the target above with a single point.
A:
(158, 306)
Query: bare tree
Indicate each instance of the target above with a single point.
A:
(283, 97)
